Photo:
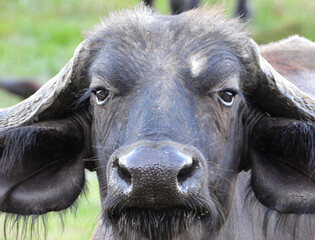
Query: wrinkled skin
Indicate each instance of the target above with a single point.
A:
(169, 126)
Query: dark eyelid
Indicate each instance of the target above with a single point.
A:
(99, 83)
(228, 89)
(232, 90)
(98, 87)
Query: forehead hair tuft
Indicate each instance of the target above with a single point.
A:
(205, 25)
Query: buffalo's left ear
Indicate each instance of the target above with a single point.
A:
(283, 165)
(282, 145)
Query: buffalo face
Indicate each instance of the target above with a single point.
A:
(167, 129)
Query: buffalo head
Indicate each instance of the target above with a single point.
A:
(168, 110)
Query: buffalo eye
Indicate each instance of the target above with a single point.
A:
(227, 97)
(101, 95)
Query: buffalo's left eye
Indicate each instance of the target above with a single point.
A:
(101, 95)
(227, 97)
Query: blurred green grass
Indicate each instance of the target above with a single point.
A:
(38, 37)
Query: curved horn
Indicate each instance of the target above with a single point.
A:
(51, 100)
(277, 95)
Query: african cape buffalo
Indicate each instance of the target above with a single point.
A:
(192, 133)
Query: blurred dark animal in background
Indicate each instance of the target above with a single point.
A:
(20, 87)
(179, 6)
(192, 133)
(243, 9)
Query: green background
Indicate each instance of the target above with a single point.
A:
(38, 37)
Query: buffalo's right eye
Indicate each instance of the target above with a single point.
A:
(101, 95)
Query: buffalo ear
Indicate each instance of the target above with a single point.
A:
(41, 167)
(283, 165)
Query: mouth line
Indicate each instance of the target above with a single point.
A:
(162, 214)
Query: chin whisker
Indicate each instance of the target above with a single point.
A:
(180, 222)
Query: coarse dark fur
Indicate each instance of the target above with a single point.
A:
(164, 89)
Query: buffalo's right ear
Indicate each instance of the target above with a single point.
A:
(41, 157)
(41, 166)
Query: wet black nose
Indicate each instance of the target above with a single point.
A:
(156, 176)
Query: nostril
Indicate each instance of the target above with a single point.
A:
(187, 171)
(124, 174)
(122, 171)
